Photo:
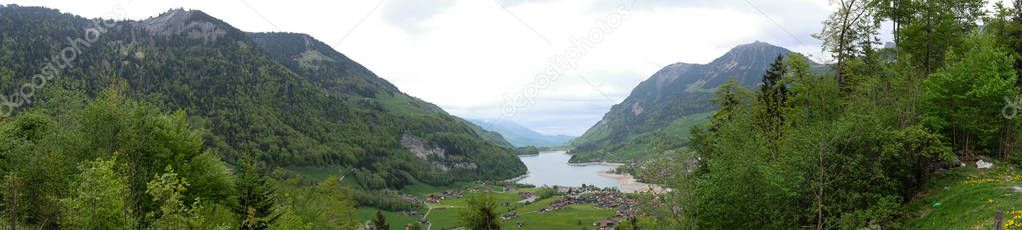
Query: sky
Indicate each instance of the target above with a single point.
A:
(491, 59)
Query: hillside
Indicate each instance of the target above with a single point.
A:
(521, 136)
(664, 107)
(285, 98)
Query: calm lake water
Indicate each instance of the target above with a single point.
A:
(552, 168)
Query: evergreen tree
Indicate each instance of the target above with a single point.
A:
(729, 99)
(380, 223)
(773, 99)
(333, 207)
(256, 201)
(481, 213)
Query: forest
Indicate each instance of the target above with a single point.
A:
(165, 130)
(851, 148)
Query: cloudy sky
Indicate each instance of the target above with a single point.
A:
(470, 56)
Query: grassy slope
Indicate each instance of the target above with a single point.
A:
(968, 198)
(638, 147)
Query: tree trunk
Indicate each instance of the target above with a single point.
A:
(929, 37)
(14, 202)
(819, 192)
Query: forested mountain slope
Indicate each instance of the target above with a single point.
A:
(285, 98)
(663, 108)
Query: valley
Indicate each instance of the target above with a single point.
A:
(899, 114)
(548, 197)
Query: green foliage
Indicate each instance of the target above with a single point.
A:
(167, 191)
(290, 220)
(97, 199)
(267, 95)
(546, 192)
(333, 208)
(217, 216)
(325, 205)
(256, 203)
(481, 213)
(527, 150)
(845, 163)
(773, 98)
(964, 100)
(380, 222)
(932, 28)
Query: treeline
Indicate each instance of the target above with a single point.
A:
(847, 149)
(115, 163)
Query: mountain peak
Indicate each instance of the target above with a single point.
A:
(749, 53)
(757, 47)
(193, 24)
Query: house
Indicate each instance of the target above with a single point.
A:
(606, 224)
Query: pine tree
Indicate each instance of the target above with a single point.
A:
(380, 223)
(256, 203)
(729, 99)
(773, 98)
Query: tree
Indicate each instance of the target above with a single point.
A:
(965, 99)
(728, 97)
(97, 199)
(481, 213)
(1006, 24)
(334, 207)
(290, 220)
(937, 26)
(773, 99)
(899, 12)
(256, 201)
(168, 191)
(12, 186)
(380, 223)
(849, 32)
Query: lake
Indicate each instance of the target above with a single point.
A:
(552, 168)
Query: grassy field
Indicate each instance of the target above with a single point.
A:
(446, 214)
(968, 198)
(396, 220)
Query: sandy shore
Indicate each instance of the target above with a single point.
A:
(628, 183)
(604, 163)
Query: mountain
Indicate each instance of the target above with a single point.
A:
(285, 98)
(520, 136)
(664, 107)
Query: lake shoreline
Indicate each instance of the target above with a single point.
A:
(603, 163)
(554, 168)
(628, 184)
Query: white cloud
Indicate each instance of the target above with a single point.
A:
(463, 55)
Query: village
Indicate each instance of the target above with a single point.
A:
(525, 206)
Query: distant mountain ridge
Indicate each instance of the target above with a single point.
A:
(663, 107)
(521, 136)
